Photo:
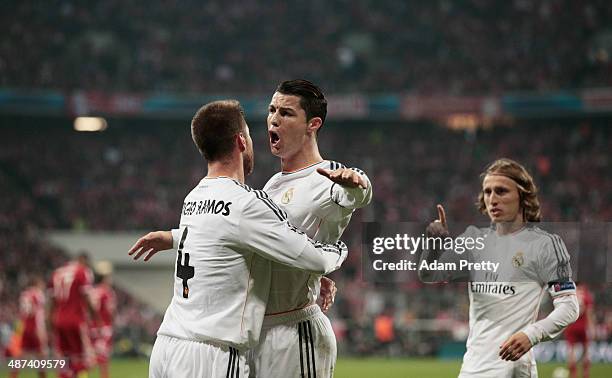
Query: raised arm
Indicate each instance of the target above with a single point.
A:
(352, 188)
(437, 254)
(437, 229)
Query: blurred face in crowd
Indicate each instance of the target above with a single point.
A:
(502, 199)
(39, 283)
(247, 155)
(287, 125)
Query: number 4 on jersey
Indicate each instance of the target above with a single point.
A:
(184, 271)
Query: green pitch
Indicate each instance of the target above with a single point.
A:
(356, 368)
(430, 368)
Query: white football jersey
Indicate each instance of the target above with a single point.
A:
(532, 261)
(227, 238)
(320, 208)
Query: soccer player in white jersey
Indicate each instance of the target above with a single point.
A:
(227, 238)
(504, 305)
(319, 197)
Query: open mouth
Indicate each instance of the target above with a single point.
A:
(274, 137)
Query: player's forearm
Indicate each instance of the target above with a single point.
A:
(565, 313)
(441, 259)
(353, 197)
(321, 258)
(427, 275)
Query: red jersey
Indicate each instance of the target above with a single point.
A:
(32, 310)
(32, 314)
(69, 286)
(104, 303)
(585, 301)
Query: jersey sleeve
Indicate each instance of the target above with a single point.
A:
(352, 198)
(554, 267)
(565, 313)
(176, 236)
(265, 230)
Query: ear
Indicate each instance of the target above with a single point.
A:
(314, 124)
(241, 142)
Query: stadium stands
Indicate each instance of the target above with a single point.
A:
(469, 46)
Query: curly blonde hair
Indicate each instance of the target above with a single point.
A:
(528, 192)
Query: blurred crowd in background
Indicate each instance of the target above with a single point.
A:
(364, 46)
(136, 177)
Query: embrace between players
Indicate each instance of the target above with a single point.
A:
(250, 262)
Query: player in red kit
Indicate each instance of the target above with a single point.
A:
(70, 307)
(34, 342)
(104, 304)
(578, 333)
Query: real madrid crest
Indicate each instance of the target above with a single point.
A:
(287, 196)
(518, 260)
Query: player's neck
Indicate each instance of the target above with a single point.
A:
(303, 158)
(232, 169)
(507, 228)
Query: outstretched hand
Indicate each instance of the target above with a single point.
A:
(150, 244)
(438, 228)
(345, 177)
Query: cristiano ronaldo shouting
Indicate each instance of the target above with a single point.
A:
(504, 305)
(319, 197)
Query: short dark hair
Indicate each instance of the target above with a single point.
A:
(214, 126)
(311, 97)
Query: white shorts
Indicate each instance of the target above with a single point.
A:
(517, 372)
(474, 367)
(172, 357)
(295, 345)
